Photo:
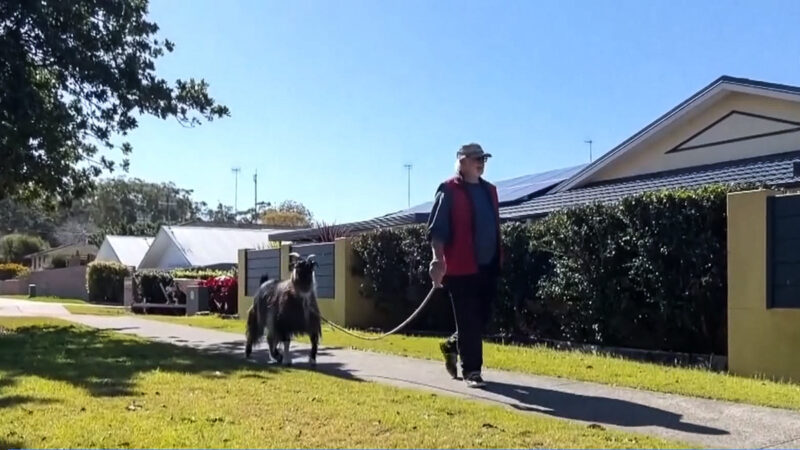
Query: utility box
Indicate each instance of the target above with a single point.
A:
(196, 299)
(31, 290)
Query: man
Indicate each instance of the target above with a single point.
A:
(464, 230)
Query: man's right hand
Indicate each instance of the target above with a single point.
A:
(437, 271)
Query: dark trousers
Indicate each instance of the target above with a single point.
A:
(472, 297)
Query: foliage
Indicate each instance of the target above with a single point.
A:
(222, 294)
(288, 214)
(200, 274)
(73, 76)
(646, 272)
(14, 247)
(147, 285)
(329, 232)
(10, 271)
(58, 262)
(105, 281)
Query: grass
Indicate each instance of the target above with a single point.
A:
(96, 310)
(49, 299)
(63, 385)
(540, 360)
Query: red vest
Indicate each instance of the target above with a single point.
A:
(459, 253)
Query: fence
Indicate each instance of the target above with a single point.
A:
(337, 288)
(69, 282)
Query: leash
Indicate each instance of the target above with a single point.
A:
(395, 330)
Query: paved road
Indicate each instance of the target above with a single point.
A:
(701, 422)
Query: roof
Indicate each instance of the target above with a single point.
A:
(129, 249)
(206, 246)
(719, 86)
(773, 170)
(509, 191)
(61, 248)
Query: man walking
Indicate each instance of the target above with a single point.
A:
(464, 231)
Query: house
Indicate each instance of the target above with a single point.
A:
(71, 254)
(127, 250)
(733, 130)
(212, 247)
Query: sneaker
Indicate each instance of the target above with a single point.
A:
(474, 380)
(450, 359)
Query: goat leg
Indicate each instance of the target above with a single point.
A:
(287, 357)
(312, 357)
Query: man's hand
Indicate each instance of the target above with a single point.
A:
(437, 271)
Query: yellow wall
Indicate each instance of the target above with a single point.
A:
(761, 341)
(243, 302)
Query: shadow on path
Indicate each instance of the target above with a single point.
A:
(601, 410)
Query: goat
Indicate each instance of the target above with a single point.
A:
(286, 308)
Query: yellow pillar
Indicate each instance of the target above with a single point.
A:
(243, 302)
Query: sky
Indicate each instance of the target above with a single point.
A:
(330, 99)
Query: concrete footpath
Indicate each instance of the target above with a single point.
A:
(697, 421)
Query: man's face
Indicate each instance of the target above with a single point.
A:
(474, 166)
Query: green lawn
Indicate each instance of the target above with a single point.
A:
(49, 299)
(540, 360)
(96, 310)
(63, 385)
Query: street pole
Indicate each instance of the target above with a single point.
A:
(236, 170)
(590, 148)
(408, 168)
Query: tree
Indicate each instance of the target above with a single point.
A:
(288, 214)
(72, 76)
(14, 247)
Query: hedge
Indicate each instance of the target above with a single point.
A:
(105, 281)
(201, 274)
(147, 285)
(647, 272)
(9, 271)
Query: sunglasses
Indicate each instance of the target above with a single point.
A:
(480, 158)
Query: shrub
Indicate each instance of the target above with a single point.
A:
(222, 294)
(147, 285)
(647, 272)
(105, 281)
(58, 262)
(9, 271)
(200, 274)
(14, 247)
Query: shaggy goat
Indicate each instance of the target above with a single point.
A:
(286, 308)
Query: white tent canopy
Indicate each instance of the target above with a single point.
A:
(198, 246)
(128, 250)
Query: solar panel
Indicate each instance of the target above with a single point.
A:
(513, 189)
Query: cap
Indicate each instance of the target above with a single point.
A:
(471, 151)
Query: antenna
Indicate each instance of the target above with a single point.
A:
(589, 141)
(408, 168)
(236, 171)
(255, 195)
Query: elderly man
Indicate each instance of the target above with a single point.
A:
(464, 231)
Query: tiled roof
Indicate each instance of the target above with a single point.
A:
(391, 220)
(773, 170)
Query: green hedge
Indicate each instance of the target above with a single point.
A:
(201, 274)
(9, 271)
(147, 285)
(647, 272)
(105, 281)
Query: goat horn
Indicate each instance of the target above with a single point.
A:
(295, 254)
(311, 257)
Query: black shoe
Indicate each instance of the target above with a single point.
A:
(450, 359)
(474, 380)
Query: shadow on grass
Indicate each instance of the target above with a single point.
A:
(589, 408)
(8, 445)
(104, 363)
(14, 400)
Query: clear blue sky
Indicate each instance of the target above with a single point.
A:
(329, 99)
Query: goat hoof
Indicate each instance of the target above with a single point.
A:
(313, 363)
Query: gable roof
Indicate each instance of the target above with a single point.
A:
(205, 246)
(129, 249)
(709, 93)
(773, 170)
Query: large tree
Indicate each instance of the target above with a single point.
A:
(288, 214)
(73, 75)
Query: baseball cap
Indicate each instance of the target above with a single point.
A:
(471, 151)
